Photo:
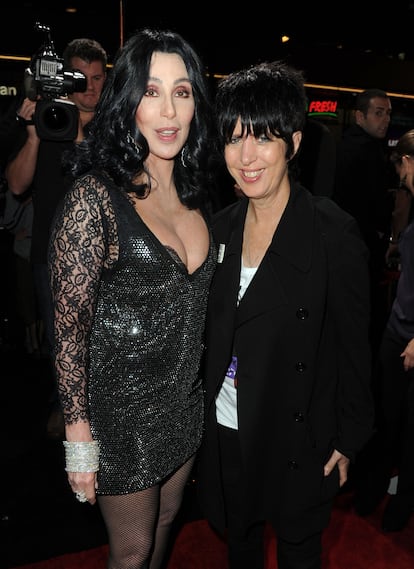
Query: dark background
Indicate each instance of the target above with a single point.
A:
(361, 43)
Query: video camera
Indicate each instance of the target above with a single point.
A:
(54, 118)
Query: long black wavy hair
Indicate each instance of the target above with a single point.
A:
(115, 145)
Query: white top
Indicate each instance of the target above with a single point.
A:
(226, 401)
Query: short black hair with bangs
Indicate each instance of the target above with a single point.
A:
(268, 98)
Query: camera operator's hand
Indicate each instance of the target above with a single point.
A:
(20, 170)
(25, 115)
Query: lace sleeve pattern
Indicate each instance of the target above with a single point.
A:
(82, 238)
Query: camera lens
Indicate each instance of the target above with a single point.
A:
(55, 118)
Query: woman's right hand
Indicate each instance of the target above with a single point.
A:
(82, 482)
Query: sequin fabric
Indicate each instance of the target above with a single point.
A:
(129, 323)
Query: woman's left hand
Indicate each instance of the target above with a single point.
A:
(337, 458)
(408, 355)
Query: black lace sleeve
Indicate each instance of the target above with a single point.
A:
(80, 247)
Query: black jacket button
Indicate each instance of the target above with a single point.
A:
(302, 313)
(300, 367)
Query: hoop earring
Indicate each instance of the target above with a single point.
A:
(183, 156)
(132, 142)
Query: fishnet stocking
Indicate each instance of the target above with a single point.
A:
(139, 524)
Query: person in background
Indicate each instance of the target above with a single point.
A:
(287, 369)
(18, 220)
(392, 446)
(402, 215)
(17, 298)
(36, 165)
(363, 180)
(131, 260)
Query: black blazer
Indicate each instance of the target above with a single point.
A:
(301, 337)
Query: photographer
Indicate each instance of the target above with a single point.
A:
(36, 163)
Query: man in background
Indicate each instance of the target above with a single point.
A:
(363, 179)
(36, 163)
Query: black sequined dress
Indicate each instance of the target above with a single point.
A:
(129, 336)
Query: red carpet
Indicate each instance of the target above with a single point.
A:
(350, 542)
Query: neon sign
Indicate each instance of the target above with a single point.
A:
(325, 107)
